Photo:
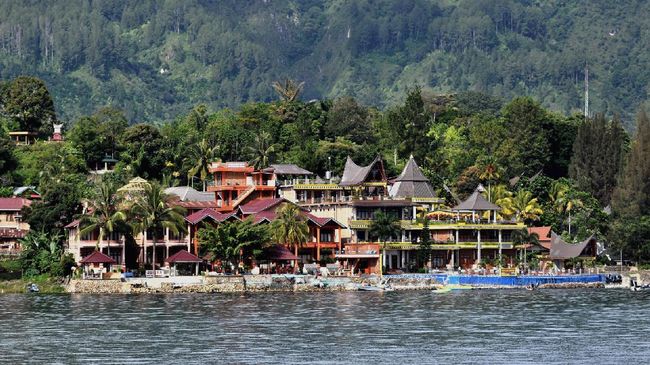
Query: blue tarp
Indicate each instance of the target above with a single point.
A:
(493, 280)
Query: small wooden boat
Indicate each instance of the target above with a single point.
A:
(442, 290)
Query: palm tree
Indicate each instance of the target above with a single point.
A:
(525, 207)
(522, 237)
(201, 155)
(288, 89)
(489, 173)
(290, 227)
(384, 226)
(103, 213)
(262, 151)
(153, 211)
(566, 203)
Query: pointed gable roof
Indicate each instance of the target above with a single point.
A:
(97, 258)
(354, 174)
(561, 250)
(183, 256)
(476, 201)
(202, 214)
(412, 183)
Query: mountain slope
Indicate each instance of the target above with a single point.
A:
(156, 59)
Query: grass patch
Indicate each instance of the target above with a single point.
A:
(46, 284)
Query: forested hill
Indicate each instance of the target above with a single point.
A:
(155, 59)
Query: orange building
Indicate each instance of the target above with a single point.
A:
(237, 182)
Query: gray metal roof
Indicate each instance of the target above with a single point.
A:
(476, 201)
(561, 250)
(412, 183)
(289, 169)
(187, 193)
(354, 174)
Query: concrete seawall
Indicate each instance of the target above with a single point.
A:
(278, 283)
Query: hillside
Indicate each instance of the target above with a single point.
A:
(156, 59)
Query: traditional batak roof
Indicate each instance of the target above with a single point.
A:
(354, 174)
(73, 224)
(202, 214)
(412, 183)
(97, 258)
(561, 250)
(13, 204)
(183, 256)
(288, 169)
(476, 201)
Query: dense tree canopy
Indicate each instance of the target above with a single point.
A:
(157, 59)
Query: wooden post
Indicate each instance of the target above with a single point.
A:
(317, 243)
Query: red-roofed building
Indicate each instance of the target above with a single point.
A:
(236, 183)
(12, 228)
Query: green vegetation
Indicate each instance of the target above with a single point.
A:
(157, 59)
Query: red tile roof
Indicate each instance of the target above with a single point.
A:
(544, 234)
(321, 221)
(183, 256)
(278, 253)
(259, 205)
(14, 204)
(97, 258)
(267, 216)
(197, 217)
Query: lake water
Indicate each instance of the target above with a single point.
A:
(487, 326)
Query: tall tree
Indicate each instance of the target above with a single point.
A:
(597, 158)
(27, 100)
(102, 212)
(154, 212)
(409, 123)
(201, 155)
(384, 226)
(261, 153)
(288, 90)
(290, 227)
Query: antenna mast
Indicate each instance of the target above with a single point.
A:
(586, 91)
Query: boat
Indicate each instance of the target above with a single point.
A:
(442, 290)
(33, 288)
(636, 287)
(376, 288)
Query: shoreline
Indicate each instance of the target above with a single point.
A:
(279, 284)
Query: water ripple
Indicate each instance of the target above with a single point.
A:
(508, 326)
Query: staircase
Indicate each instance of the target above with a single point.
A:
(243, 196)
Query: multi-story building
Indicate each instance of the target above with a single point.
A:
(12, 227)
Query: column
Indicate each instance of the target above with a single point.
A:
(478, 247)
(500, 248)
(317, 243)
(457, 235)
(189, 237)
(403, 254)
(144, 247)
(339, 242)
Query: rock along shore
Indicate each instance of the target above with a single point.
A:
(264, 283)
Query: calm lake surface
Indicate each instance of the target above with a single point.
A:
(489, 326)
